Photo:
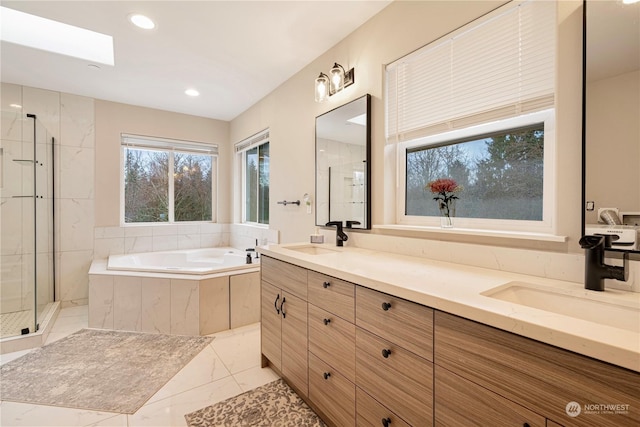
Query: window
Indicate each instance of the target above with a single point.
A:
(478, 106)
(167, 180)
(254, 160)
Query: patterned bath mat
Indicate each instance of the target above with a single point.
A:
(108, 371)
(272, 405)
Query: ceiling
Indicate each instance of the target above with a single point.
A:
(233, 52)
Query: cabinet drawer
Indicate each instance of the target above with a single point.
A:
(538, 376)
(332, 393)
(401, 381)
(461, 402)
(405, 323)
(331, 294)
(333, 340)
(370, 413)
(284, 275)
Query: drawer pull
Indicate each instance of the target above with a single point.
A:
(386, 422)
(386, 306)
(327, 321)
(525, 425)
(326, 375)
(275, 304)
(326, 285)
(386, 353)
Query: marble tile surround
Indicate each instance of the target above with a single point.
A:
(172, 306)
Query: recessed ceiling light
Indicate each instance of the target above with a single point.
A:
(53, 36)
(142, 21)
(192, 92)
(630, 1)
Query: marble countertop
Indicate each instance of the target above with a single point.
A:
(458, 289)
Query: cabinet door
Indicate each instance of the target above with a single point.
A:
(271, 332)
(461, 402)
(294, 342)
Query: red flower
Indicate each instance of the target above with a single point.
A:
(443, 186)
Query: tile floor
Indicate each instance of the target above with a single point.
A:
(230, 365)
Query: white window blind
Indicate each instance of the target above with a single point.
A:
(253, 141)
(500, 66)
(148, 142)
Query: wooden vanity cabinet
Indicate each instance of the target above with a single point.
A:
(534, 375)
(461, 402)
(284, 335)
(332, 348)
(394, 353)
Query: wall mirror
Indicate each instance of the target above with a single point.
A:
(611, 129)
(343, 171)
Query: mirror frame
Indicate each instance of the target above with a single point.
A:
(635, 254)
(367, 192)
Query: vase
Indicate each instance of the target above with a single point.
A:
(447, 213)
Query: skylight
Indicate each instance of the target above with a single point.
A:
(52, 36)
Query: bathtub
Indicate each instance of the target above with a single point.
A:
(191, 261)
(184, 292)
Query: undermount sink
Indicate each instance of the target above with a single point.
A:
(311, 249)
(602, 309)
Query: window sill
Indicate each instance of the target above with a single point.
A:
(425, 230)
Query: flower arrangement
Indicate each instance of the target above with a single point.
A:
(445, 190)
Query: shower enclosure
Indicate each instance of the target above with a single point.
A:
(27, 285)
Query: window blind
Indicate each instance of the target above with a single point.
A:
(153, 143)
(252, 141)
(500, 66)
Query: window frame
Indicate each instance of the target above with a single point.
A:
(241, 148)
(546, 225)
(170, 146)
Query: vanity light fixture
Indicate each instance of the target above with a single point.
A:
(322, 88)
(335, 82)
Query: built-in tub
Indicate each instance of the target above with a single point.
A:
(184, 292)
(192, 261)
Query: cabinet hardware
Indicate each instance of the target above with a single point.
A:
(525, 425)
(275, 304)
(386, 422)
(282, 307)
(326, 285)
(326, 321)
(386, 353)
(386, 306)
(326, 375)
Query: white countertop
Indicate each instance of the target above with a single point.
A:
(457, 289)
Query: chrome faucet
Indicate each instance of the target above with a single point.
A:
(341, 236)
(595, 270)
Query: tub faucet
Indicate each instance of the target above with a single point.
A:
(595, 270)
(341, 237)
(249, 257)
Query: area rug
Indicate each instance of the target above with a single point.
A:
(272, 405)
(98, 370)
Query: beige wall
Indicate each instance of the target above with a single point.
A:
(112, 119)
(613, 149)
(403, 27)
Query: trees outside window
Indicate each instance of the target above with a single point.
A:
(256, 187)
(163, 185)
(501, 175)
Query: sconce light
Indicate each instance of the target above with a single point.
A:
(336, 81)
(322, 87)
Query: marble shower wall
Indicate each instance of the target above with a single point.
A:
(70, 120)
